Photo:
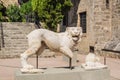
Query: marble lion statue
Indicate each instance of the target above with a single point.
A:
(58, 42)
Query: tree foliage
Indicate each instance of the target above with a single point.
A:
(13, 14)
(2, 12)
(1, 7)
(19, 14)
(26, 11)
(51, 12)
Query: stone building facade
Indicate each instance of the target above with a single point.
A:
(98, 23)
(9, 2)
(100, 20)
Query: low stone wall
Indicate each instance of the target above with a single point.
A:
(110, 54)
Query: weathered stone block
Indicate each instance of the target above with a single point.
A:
(66, 74)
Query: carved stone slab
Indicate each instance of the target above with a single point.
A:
(77, 73)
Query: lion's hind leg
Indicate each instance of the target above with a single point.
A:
(33, 48)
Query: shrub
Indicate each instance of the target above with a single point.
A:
(23, 13)
(51, 12)
(26, 12)
(2, 13)
(13, 14)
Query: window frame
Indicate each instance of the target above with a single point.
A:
(83, 21)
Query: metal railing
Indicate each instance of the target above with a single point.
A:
(2, 36)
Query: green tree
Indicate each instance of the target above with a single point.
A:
(51, 12)
(26, 11)
(2, 13)
(13, 14)
(20, 14)
(1, 16)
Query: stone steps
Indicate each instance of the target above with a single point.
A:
(15, 40)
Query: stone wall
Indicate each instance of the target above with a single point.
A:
(84, 44)
(15, 41)
(116, 19)
(0, 38)
(110, 28)
(89, 38)
(115, 30)
(98, 22)
(102, 26)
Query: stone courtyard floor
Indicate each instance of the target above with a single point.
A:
(9, 66)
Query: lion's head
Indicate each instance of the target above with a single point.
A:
(75, 33)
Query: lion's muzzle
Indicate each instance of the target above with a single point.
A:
(75, 38)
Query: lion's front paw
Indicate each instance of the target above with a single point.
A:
(31, 70)
(28, 67)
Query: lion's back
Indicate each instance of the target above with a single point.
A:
(37, 33)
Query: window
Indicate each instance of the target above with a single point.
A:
(91, 49)
(83, 21)
(107, 4)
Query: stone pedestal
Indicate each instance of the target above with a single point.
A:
(77, 73)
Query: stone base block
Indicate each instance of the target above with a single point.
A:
(77, 73)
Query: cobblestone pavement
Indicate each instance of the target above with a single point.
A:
(9, 66)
